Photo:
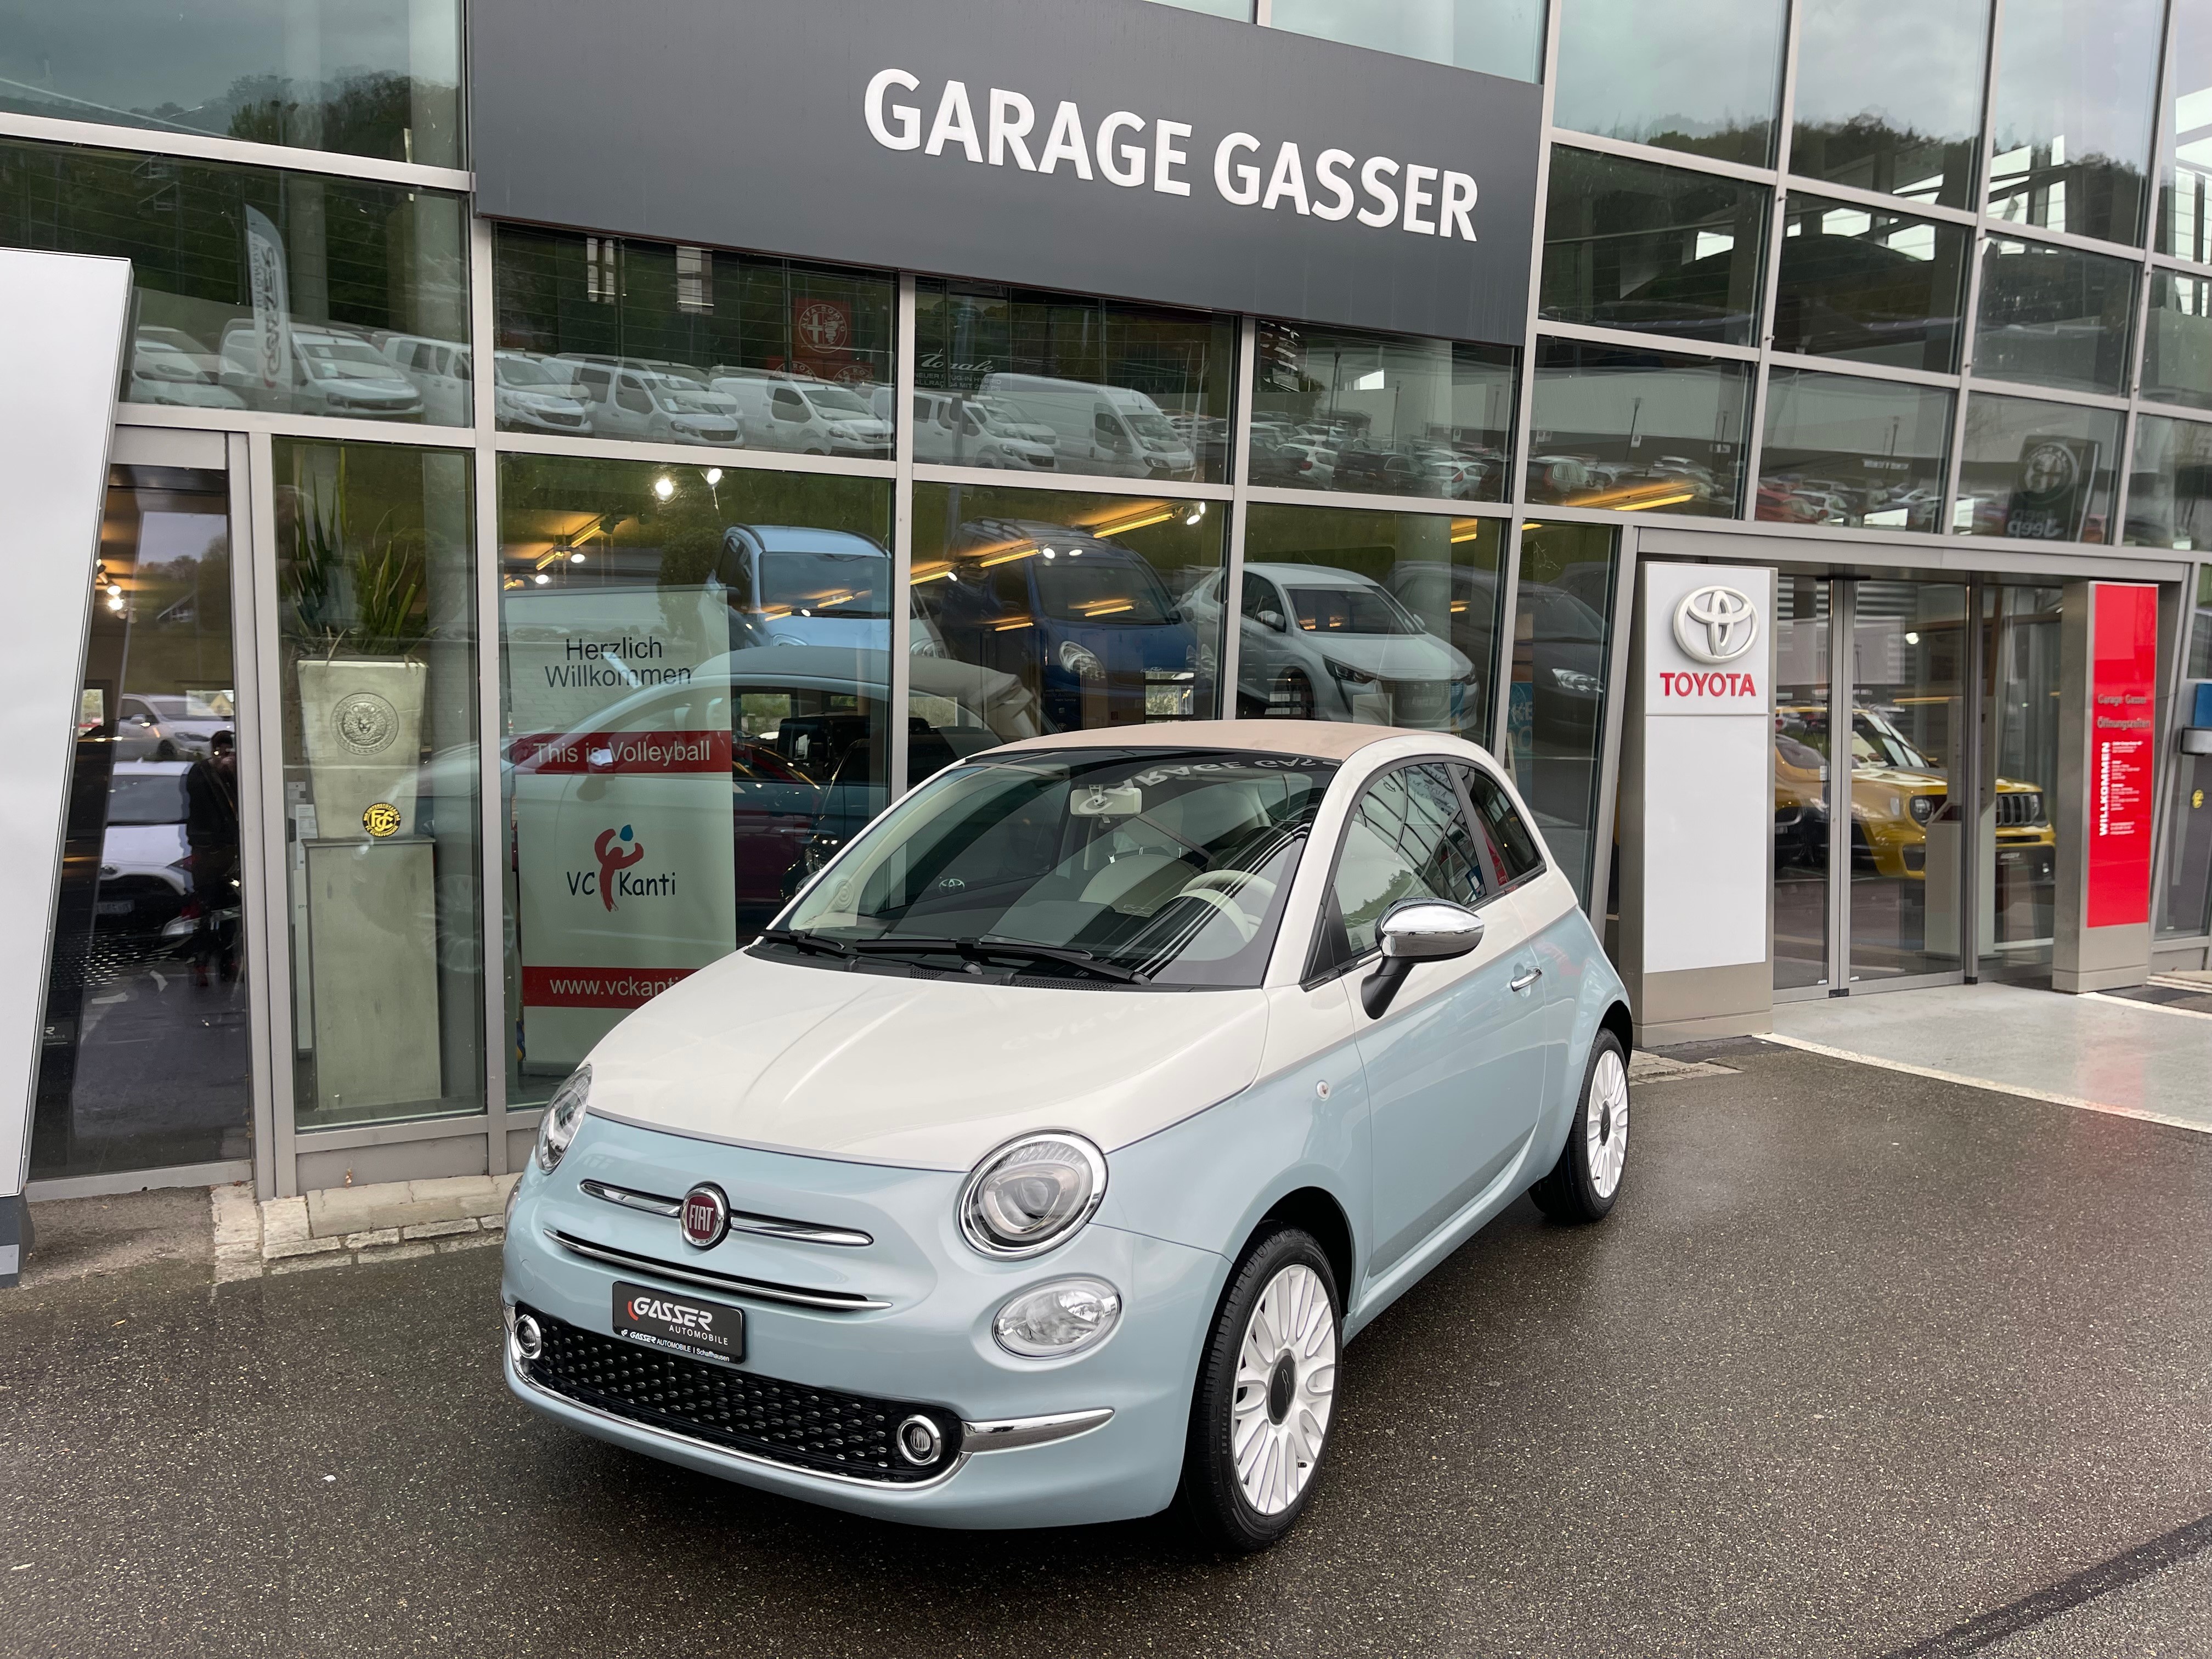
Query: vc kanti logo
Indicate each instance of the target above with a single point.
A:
(617, 851)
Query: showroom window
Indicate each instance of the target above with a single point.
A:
(377, 677)
(2184, 196)
(2076, 89)
(1636, 431)
(1703, 76)
(1066, 383)
(1555, 699)
(1385, 618)
(1889, 97)
(1661, 250)
(1868, 454)
(603, 337)
(1038, 612)
(1498, 37)
(2170, 486)
(286, 291)
(696, 668)
(2054, 317)
(364, 77)
(1380, 414)
(2177, 357)
(2037, 471)
(1867, 286)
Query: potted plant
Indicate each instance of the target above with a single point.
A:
(358, 593)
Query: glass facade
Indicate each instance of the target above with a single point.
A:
(1889, 97)
(2072, 114)
(364, 77)
(696, 512)
(1863, 285)
(289, 293)
(1652, 75)
(1381, 414)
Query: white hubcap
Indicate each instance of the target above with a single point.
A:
(1285, 1388)
(1605, 1123)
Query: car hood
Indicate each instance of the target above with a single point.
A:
(920, 1073)
(1393, 656)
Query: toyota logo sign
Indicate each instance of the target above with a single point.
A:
(706, 1216)
(1715, 624)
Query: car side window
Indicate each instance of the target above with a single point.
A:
(630, 395)
(1516, 849)
(788, 405)
(1406, 840)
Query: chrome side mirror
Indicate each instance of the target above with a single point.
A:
(1417, 930)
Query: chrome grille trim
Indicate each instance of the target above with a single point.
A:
(767, 1226)
(730, 1284)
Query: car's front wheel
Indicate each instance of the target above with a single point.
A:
(1267, 1392)
(1583, 1183)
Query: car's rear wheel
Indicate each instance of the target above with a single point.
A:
(1586, 1180)
(1266, 1395)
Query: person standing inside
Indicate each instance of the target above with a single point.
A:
(211, 828)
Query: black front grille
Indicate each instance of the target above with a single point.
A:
(808, 1428)
(2019, 808)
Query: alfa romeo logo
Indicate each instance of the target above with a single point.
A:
(365, 723)
(2049, 470)
(1715, 624)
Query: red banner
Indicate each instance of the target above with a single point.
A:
(596, 987)
(2123, 738)
(632, 753)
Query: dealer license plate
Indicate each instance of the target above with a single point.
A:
(680, 1324)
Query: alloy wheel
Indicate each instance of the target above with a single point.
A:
(1605, 1122)
(1285, 1390)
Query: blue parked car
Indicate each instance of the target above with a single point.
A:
(793, 585)
(1084, 622)
(1036, 1168)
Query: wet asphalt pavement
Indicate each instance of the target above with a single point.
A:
(1862, 1364)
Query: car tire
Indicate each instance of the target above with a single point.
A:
(1260, 1412)
(1583, 1184)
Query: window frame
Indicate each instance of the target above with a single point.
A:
(1328, 949)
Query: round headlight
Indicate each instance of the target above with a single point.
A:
(1032, 1194)
(564, 1115)
(1056, 1320)
(1922, 808)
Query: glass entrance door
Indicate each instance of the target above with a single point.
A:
(1871, 748)
(146, 1056)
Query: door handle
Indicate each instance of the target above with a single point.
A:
(1528, 977)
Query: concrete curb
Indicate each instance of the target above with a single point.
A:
(356, 1226)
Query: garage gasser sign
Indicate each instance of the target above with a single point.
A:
(622, 840)
(1115, 147)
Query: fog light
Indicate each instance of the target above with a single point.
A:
(529, 1341)
(1059, 1319)
(920, 1441)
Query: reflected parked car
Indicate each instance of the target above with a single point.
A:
(540, 394)
(656, 407)
(169, 367)
(950, 430)
(803, 416)
(145, 863)
(1113, 430)
(794, 584)
(1320, 643)
(333, 372)
(441, 371)
(1085, 624)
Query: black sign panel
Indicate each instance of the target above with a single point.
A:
(1115, 147)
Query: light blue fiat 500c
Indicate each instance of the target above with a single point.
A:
(1038, 1166)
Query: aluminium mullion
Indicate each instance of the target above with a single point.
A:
(232, 152)
(266, 957)
(1975, 768)
(1228, 663)
(1970, 312)
(899, 670)
(1755, 406)
(1843, 623)
(491, 803)
(1629, 149)
(1605, 834)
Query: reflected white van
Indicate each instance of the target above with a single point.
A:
(334, 371)
(804, 417)
(660, 408)
(441, 371)
(1113, 430)
(955, 431)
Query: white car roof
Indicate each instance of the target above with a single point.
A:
(1320, 739)
(1313, 575)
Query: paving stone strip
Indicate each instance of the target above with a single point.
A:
(390, 1221)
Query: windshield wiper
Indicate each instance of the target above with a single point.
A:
(978, 950)
(800, 941)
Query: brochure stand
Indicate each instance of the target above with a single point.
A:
(373, 944)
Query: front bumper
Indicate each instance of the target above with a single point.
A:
(1096, 1438)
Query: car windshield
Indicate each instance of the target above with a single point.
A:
(345, 360)
(1875, 742)
(1159, 866)
(808, 583)
(835, 400)
(688, 398)
(1352, 611)
(158, 799)
(1153, 428)
(1085, 587)
(536, 377)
